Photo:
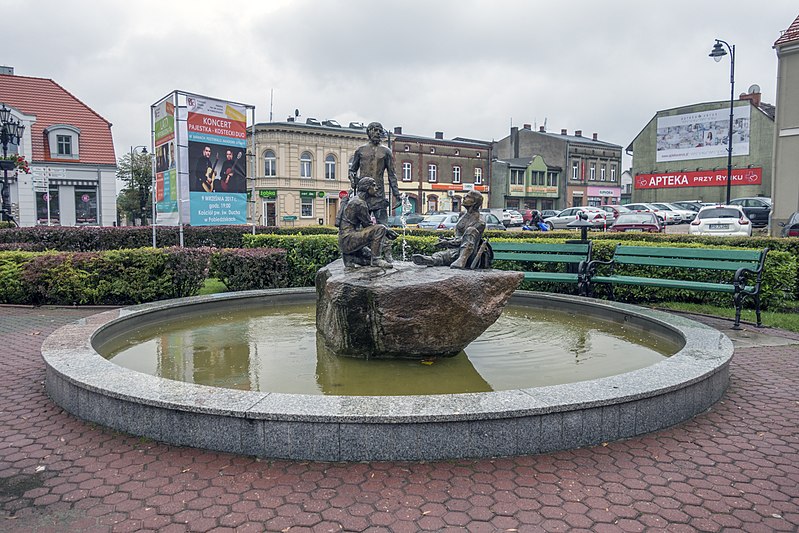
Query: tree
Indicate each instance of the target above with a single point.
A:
(135, 200)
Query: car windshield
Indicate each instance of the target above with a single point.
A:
(435, 218)
(719, 212)
(635, 218)
(662, 206)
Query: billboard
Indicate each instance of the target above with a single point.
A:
(702, 135)
(702, 178)
(217, 144)
(166, 186)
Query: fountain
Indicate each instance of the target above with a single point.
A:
(361, 312)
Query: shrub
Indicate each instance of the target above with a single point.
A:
(118, 277)
(248, 269)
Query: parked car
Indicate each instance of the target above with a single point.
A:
(550, 213)
(411, 221)
(492, 222)
(686, 215)
(723, 220)
(436, 222)
(638, 222)
(757, 209)
(595, 215)
(668, 217)
(514, 217)
(693, 205)
(790, 228)
(613, 211)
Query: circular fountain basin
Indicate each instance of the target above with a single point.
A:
(412, 427)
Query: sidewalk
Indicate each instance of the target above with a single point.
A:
(733, 468)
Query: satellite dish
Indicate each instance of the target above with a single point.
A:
(754, 89)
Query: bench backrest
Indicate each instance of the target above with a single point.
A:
(542, 252)
(700, 258)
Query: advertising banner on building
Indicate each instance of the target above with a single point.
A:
(702, 178)
(166, 186)
(217, 144)
(605, 192)
(702, 135)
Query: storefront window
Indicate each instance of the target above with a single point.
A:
(85, 206)
(44, 198)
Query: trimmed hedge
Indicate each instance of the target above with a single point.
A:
(94, 239)
(118, 277)
(242, 269)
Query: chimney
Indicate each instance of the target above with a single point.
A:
(439, 135)
(542, 129)
(754, 98)
(514, 141)
(594, 136)
(397, 130)
(578, 133)
(563, 132)
(7, 70)
(527, 127)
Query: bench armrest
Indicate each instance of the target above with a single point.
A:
(590, 268)
(742, 274)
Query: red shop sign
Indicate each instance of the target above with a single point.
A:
(701, 178)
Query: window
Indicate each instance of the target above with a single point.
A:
(306, 206)
(407, 169)
(594, 201)
(552, 179)
(85, 205)
(602, 176)
(478, 176)
(575, 170)
(517, 177)
(537, 178)
(44, 198)
(613, 172)
(592, 172)
(330, 167)
(456, 174)
(270, 164)
(305, 165)
(432, 171)
(64, 143)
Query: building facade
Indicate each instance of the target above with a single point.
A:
(435, 172)
(583, 170)
(71, 154)
(786, 129)
(681, 154)
(300, 171)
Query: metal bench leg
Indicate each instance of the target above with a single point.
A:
(757, 309)
(737, 301)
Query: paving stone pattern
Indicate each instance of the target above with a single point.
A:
(733, 468)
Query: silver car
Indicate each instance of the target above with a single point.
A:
(596, 216)
(436, 222)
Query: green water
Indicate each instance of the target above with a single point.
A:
(275, 349)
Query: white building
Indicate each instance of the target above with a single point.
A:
(71, 154)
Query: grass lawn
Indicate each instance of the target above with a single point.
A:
(212, 286)
(787, 319)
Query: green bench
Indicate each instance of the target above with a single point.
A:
(574, 257)
(740, 271)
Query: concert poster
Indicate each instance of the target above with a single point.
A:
(166, 189)
(217, 144)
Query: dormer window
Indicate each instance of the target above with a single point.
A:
(64, 141)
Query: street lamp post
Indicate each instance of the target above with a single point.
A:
(10, 132)
(717, 53)
(141, 193)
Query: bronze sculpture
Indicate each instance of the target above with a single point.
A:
(373, 160)
(360, 240)
(467, 249)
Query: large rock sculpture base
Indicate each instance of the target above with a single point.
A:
(410, 311)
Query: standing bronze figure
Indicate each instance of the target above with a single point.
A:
(373, 160)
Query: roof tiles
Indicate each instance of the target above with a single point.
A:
(790, 35)
(52, 104)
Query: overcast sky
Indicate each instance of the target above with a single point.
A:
(469, 68)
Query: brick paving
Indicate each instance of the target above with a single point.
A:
(733, 468)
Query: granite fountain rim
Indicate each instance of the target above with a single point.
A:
(69, 353)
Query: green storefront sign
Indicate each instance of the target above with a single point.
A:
(307, 194)
(269, 194)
